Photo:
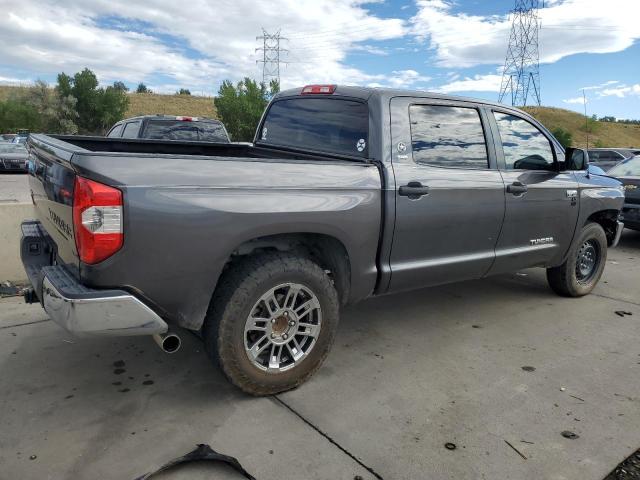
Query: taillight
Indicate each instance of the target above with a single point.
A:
(97, 220)
(318, 89)
(187, 119)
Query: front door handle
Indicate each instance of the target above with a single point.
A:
(413, 190)
(517, 188)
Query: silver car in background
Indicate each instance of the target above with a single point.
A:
(13, 157)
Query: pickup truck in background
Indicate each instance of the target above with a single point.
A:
(346, 193)
(170, 127)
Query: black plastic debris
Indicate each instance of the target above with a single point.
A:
(622, 313)
(570, 435)
(627, 470)
(450, 446)
(202, 452)
(528, 368)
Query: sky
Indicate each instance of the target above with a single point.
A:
(450, 46)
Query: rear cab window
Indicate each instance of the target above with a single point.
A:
(196, 130)
(332, 125)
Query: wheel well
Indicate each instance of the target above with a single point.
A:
(608, 220)
(327, 251)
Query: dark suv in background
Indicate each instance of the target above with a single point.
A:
(606, 158)
(170, 127)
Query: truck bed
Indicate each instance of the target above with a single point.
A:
(189, 206)
(171, 147)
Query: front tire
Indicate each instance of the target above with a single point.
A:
(582, 270)
(272, 322)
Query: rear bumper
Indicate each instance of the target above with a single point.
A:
(79, 309)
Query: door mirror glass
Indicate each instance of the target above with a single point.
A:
(576, 159)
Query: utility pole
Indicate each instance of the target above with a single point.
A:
(586, 119)
(521, 74)
(270, 56)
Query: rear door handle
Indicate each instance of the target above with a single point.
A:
(517, 188)
(413, 190)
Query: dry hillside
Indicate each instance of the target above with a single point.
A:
(606, 134)
(151, 103)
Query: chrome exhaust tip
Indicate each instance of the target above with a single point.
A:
(169, 342)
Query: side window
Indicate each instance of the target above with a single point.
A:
(131, 130)
(525, 147)
(447, 136)
(116, 131)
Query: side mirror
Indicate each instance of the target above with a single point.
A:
(576, 159)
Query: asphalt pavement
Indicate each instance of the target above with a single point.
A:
(14, 188)
(495, 369)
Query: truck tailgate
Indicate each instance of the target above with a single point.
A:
(51, 181)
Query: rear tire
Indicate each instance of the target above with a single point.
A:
(582, 270)
(271, 322)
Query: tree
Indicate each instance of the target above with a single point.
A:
(563, 137)
(240, 106)
(142, 88)
(120, 86)
(112, 104)
(183, 91)
(96, 108)
(38, 109)
(56, 113)
(15, 113)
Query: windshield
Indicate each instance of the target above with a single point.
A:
(204, 131)
(322, 124)
(626, 168)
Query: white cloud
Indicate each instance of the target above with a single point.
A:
(15, 81)
(48, 36)
(601, 85)
(407, 78)
(478, 83)
(621, 92)
(578, 100)
(568, 27)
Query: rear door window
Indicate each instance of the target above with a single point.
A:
(447, 136)
(338, 126)
(131, 130)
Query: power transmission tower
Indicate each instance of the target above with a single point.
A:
(521, 74)
(270, 56)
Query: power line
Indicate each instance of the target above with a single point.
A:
(270, 56)
(521, 74)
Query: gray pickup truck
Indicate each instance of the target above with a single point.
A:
(346, 193)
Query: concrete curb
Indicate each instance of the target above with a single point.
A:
(11, 215)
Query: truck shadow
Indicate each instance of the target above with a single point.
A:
(630, 239)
